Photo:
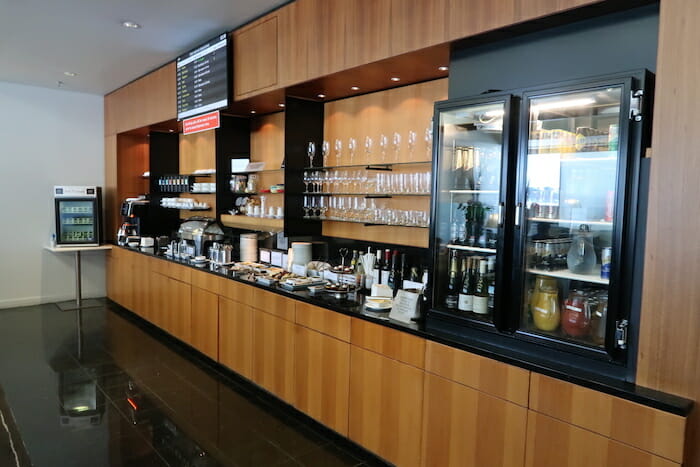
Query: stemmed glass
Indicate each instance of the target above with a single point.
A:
(383, 144)
(307, 207)
(352, 146)
(325, 150)
(368, 148)
(307, 180)
(429, 141)
(338, 151)
(311, 152)
(411, 143)
(396, 144)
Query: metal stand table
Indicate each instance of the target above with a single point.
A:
(79, 302)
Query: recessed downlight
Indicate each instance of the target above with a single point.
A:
(443, 68)
(253, 112)
(395, 78)
(171, 130)
(72, 74)
(354, 88)
(322, 96)
(280, 105)
(131, 25)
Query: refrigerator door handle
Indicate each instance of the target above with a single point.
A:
(500, 214)
(518, 212)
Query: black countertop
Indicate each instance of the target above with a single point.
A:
(450, 335)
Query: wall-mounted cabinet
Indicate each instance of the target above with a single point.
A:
(255, 57)
(416, 24)
(466, 19)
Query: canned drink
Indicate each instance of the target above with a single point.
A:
(606, 262)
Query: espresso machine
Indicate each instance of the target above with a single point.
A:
(200, 232)
(135, 220)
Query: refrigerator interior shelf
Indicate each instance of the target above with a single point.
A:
(579, 156)
(566, 274)
(477, 249)
(474, 192)
(570, 221)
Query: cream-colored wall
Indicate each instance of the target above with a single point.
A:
(47, 137)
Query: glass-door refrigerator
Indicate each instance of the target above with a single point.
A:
(78, 215)
(536, 206)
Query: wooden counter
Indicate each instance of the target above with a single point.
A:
(410, 400)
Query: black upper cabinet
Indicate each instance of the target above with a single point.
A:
(535, 209)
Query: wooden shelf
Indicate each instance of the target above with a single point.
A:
(260, 224)
(566, 274)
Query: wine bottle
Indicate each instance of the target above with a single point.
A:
(465, 298)
(386, 266)
(376, 272)
(393, 271)
(451, 297)
(480, 301)
(457, 169)
(491, 274)
(402, 273)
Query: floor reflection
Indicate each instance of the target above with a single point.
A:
(97, 388)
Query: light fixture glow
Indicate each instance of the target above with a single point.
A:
(355, 88)
(70, 73)
(280, 105)
(395, 78)
(81, 408)
(171, 131)
(494, 113)
(131, 25)
(567, 104)
(253, 111)
(321, 96)
(443, 68)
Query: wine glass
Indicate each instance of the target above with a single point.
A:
(429, 141)
(338, 151)
(325, 149)
(396, 144)
(306, 181)
(368, 148)
(311, 152)
(411, 143)
(383, 145)
(352, 146)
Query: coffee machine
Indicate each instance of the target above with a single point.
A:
(135, 219)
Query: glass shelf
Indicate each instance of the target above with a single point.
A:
(476, 249)
(573, 156)
(368, 224)
(368, 166)
(568, 221)
(473, 192)
(566, 274)
(366, 195)
(249, 172)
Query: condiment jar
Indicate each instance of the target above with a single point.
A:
(545, 304)
(576, 317)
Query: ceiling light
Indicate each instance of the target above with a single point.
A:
(131, 25)
(355, 88)
(171, 131)
(321, 96)
(443, 68)
(280, 105)
(565, 104)
(253, 111)
(395, 78)
(70, 73)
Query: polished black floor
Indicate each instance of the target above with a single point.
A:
(102, 388)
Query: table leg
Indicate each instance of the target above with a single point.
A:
(78, 291)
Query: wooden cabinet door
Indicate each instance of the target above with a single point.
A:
(236, 336)
(274, 303)
(386, 399)
(158, 299)
(468, 428)
(322, 378)
(416, 24)
(273, 354)
(293, 43)
(367, 31)
(205, 322)
(476, 16)
(255, 57)
(553, 443)
(531, 9)
(178, 311)
(326, 29)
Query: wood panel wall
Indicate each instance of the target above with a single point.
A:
(267, 145)
(670, 325)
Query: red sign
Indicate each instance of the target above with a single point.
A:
(201, 123)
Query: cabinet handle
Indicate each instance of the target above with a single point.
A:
(518, 211)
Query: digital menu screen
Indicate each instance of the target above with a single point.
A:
(202, 78)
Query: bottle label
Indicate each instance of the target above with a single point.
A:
(481, 305)
(464, 303)
(385, 277)
(451, 302)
